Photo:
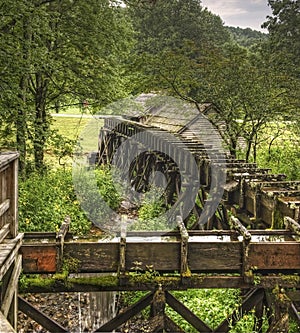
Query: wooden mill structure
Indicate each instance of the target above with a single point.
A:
(251, 243)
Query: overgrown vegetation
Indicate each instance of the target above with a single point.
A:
(210, 305)
(45, 200)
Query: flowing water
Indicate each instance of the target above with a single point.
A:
(95, 309)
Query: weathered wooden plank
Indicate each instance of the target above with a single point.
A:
(162, 256)
(5, 326)
(13, 209)
(275, 256)
(9, 250)
(64, 228)
(237, 225)
(39, 259)
(4, 206)
(4, 232)
(292, 225)
(223, 256)
(41, 318)
(12, 286)
(94, 257)
(165, 256)
(295, 313)
(98, 282)
(7, 157)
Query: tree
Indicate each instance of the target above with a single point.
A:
(167, 31)
(284, 31)
(284, 46)
(58, 51)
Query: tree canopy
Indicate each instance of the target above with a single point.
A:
(55, 53)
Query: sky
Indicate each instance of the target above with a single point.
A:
(240, 13)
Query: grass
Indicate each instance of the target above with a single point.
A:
(69, 127)
(71, 131)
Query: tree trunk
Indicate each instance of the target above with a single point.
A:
(21, 126)
(41, 123)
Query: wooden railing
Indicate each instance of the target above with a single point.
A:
(8, 195)
(10, 242)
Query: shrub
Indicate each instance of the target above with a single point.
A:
(45, 200)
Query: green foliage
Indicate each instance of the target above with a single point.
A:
(170, 31)
(151, 212)
(107, 187)
(212, 306)
(284, 33)
(45, 200)
(53, 52)
(247, 37)
(282, 153)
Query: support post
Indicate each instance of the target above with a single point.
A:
(246, 269)
(184, 268)
(60, 239)
(282, 304)
(122, 263)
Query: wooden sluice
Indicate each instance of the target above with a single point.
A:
(265, 264)
(259, 198)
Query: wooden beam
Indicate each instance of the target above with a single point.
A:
(220, 257)
(294, 312)
(170, 326)
(12, 289)
(237, 225)
(4, 232)
(184, 268)
(187, 314)
(292, 225)
(278, 256)
(8, 252)
(40, 258)
(60, 239)
(38, 316)
(127, 314)
(122, 263)
(5, 326)
(254, 297)
(13, 209)
(4, 206)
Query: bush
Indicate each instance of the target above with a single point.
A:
(45, 200)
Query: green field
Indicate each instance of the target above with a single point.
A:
(68, 132)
